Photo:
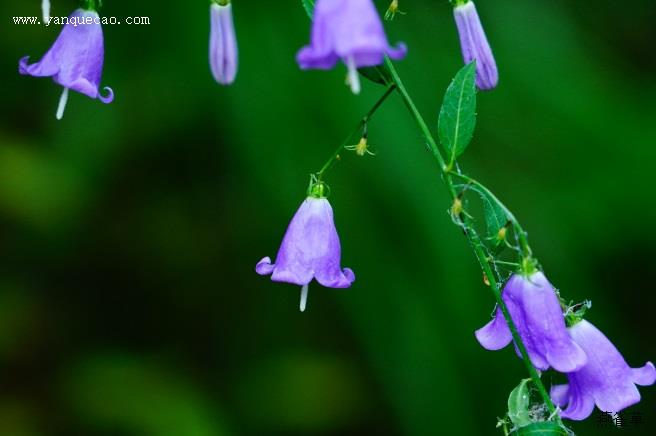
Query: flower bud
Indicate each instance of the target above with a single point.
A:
(474, 45)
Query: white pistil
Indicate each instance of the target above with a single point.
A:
(353, 77)
(62, 104)
(304, 292)
(45, 7)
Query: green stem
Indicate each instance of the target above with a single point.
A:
(472, 235)
(522, 235)
(363, 122)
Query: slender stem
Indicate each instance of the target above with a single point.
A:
(363, 122)
(472, 235)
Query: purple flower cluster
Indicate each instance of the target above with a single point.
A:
(597, 372)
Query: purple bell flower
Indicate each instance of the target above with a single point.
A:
(474, 45)
(350, 31)
(75, 60)
(607, 380)
(310, 249)
(223, 43)
(535, 310)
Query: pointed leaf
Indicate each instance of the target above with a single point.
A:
(308, 5)
(458, 114)
(518, 404)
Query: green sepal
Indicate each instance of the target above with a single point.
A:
(543, 429)
(308, 5)
(519, 403)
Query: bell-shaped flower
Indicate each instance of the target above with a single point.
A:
(350, 31)
(223, 42)
(75, 60)
(607, 380)
(536, 312)
(474, 44)
(310, 250)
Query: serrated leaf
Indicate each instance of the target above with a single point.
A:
(308, 5)
(458, 113)
(542, 429)
(518, 404)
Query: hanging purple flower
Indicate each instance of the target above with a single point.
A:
(75, 60)
(535, 310)
(350, 31)
(310, 249)
(474, 45)
(223, 42)
(607, 380)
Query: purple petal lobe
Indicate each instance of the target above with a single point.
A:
(75, 60)
(475, 46)
(495, 334)
(645, 376)
(223, 44)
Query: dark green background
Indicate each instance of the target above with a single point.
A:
(129, 232)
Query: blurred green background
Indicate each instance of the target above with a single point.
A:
(129, 232)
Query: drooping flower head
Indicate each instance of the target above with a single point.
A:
(474, 44)
(536, 312)
(75, 60)
(350, 31)
(223, 42)
(309, 250)
(607, 380)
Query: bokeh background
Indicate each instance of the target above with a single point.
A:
(129, 232)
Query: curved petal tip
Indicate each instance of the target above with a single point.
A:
(110, 95)
(264, 267)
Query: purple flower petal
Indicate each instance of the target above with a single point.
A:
(495, 335)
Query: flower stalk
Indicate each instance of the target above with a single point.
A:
(472, 235)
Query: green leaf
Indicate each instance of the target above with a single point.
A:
(542, 429)
(518, 404)
(308, 5)
(379, 74)
(495, 217)
(458, 114)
